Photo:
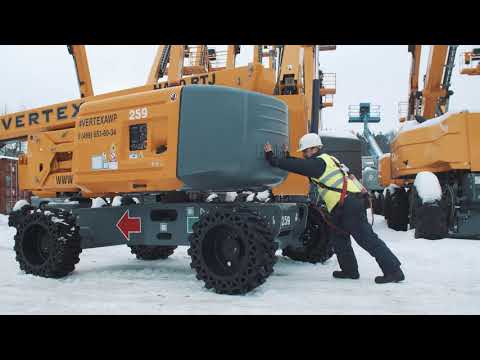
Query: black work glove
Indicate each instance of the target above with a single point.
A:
(269, 156)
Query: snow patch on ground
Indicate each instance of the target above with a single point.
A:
(442, 277)
(428, 187)
(3, 220)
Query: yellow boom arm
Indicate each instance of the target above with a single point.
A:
(416, 51)
(433, 82)
(83, 72)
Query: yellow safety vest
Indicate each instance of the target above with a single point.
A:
(333, 178)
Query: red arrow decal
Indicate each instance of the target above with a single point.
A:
(129, 225)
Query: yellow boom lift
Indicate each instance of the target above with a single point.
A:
(470, 64)
(439, 146)
(162, 162)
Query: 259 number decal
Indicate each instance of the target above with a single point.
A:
(138, 114)
(285, 221)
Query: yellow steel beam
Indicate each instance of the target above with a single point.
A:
(83, 72)
(154, 74)
(231, 55)
(432, 90)
(257, 57)
(416, 51)
(308, 69)
(175, 71)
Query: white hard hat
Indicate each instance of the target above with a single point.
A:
(310, 140)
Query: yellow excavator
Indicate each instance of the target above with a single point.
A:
(432, 173)
(178, 161)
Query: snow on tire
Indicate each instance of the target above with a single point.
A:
(428, 214)
(47, 242)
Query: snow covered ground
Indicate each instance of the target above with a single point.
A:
(442, 277)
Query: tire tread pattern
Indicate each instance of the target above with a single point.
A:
(317, 246)
(144, 252)
(260, 250)
(65, 244)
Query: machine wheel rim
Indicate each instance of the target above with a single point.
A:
(37, 244)
(225, 250)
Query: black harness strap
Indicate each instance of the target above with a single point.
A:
(323, 186)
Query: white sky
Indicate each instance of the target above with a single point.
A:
(38, 75)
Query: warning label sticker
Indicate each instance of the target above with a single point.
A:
(101, 162)
(97, 162)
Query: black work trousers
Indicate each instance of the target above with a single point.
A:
(352, 217)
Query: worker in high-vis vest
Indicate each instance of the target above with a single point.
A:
(345, 202)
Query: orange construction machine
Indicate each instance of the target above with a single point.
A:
(437, 149)
(470, 64)
(178, 161)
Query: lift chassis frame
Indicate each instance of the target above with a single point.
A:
(170, 224)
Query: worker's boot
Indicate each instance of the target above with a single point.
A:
(345, 275)
(397, 276)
